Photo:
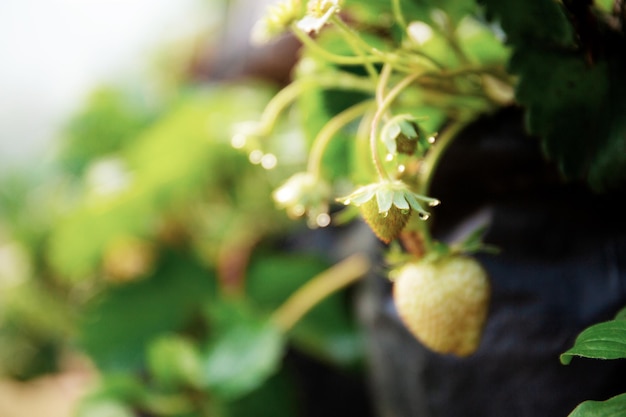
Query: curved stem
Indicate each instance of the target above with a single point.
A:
(279, 103)
(290, 93)
(380, 111)
(382, 83)
(329, 130)
(397, 13)
(331, 57)
(368, 54)
(391, 58)
(357, 45)
(318, 288)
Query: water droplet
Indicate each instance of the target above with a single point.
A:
(298, 210)
(434, 203)
(238, 141)
(269, 161)
(432, 139)
(401, 168)
(256, 156)
(322, 219)
(389, 157)
(424, 216)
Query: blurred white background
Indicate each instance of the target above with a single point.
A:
(53, 52)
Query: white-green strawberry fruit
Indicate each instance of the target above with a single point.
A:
(444, 302)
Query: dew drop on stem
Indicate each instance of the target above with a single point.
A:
(238, 141)
(269, 161)
(256, 156)
(322, 219)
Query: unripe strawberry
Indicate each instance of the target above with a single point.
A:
(387, 205)
(387, 226)
(444, 303)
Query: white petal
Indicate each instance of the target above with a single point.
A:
(400, 201)
(414, 203)
(363, 197)
(384, 198)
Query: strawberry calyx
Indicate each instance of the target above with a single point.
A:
(387, 206)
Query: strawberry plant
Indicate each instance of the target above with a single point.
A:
(382, 90)
(160, 254)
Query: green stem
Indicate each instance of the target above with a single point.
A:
(318, 288)
(285, 97)
(279, 103)
(382, 83)
(368, 54)
(358, 46)
(329, 56)
(397, 13)
(383, 106)
(329, 130)
(393, 59)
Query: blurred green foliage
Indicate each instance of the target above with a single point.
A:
(157, 259)
(152, 246)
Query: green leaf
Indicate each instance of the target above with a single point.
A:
(621, 315)
(184, 155)
(174, 361)
(328, 331)
(244, 352)
(536, 21)
(107, 408)
(110, 120)
(613, 407)
(601, 341)
(577, 110)
(117, 329)
(575, 103)
(277, 397)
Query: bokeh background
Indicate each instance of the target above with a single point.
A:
(143, 265)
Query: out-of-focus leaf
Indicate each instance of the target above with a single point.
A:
(601, 341)
(109, 121)
(185, 155)
(574, 103)
(328, 330)
(244, 351)
(116, 330)
(621, 315)
(577, 110)
(541, 21)
(117, 386)
(106, 408)
(174, 361)
(613, 407)
(481, 44)
(275, 398)
(38, 311)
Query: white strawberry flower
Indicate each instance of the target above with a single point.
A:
(390, 193)
(276, 21)
(305, 194)
(318, 14)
